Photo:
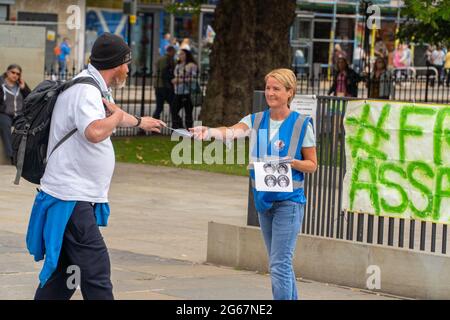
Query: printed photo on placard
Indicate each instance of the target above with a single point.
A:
(273, 177)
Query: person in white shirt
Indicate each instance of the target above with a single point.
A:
(437, 59)
(74, 187)
(277, 133)
(358, 59)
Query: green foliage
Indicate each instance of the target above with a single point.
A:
(428, 21)
(188, 6)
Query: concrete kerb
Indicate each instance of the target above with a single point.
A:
(402, 272)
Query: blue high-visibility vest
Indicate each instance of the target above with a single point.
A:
(288, 142)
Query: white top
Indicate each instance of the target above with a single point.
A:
(358, 53)
(185, 46)
(308, 141)
(187, 75)
(79, 170)
(438, 57)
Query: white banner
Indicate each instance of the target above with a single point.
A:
(398, 160)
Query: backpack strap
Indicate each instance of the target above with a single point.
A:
(60, 142)
(65, 86)
(21, 154)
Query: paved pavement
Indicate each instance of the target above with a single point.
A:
(157, 237)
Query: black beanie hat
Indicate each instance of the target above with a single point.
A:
(109, 51)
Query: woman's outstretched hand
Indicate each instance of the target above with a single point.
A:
(200, 132)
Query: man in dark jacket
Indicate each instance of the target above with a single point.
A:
(164, 74)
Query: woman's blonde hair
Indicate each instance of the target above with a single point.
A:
(286, 77)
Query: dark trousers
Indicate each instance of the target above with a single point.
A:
(83, 247)
(5, 133)
(62, 64)
(439, 69)
(163, 95)
(447, 76)
(179, 102)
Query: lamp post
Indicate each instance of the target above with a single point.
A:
(332, 41)
(364, 5)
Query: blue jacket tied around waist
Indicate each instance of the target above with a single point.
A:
(46, 227)
(288, 142)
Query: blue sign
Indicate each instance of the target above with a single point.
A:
(102, 21)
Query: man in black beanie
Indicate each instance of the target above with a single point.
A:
(73, 200)
(108, 53)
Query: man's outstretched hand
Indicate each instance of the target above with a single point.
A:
(152, 124)
(127, 120)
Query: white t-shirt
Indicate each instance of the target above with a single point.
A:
(79, 170)
(308, 141)
(358, 54)
(438, 57)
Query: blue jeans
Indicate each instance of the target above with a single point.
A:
(280, 226)
(62, 68)
(357, 66)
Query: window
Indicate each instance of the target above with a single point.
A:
(301, 29)
(322, 29)
(321, 50)
(345, 28)
(3, 12)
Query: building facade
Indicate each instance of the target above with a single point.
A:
(312, 32)
(61, 19)
(318, 26)
(153, 22)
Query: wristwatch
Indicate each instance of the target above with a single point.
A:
(139, 119)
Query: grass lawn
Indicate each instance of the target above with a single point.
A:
(157, 150)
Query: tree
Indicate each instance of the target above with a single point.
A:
(427, 21)
(252, 38)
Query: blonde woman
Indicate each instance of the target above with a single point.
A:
(289, 135)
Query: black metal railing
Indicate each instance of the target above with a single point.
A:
(139, 94)
(395, 87)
